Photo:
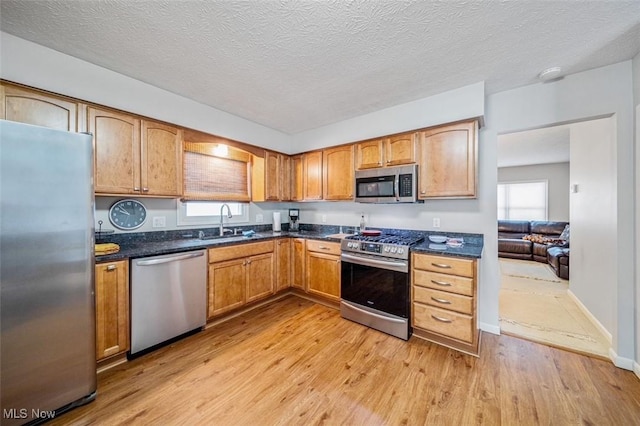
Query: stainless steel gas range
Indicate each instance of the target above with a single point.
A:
(375, 282)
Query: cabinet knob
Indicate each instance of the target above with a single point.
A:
(111, 268)
(135, 188)
(145, 189)
(423, 192)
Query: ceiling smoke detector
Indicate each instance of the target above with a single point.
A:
(550, 74)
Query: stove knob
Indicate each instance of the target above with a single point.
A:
(386, 249)
(352, 245)
(400, 250)
(394, 249)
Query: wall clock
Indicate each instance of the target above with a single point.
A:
(127, 214)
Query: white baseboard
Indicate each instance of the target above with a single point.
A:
(624, 363)
(489, 328)
(591, 318)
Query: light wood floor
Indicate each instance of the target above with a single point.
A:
(298, 363)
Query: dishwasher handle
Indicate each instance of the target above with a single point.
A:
(160, 261)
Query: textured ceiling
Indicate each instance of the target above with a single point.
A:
(298, 65)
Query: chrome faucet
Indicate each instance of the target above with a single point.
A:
(222, 217)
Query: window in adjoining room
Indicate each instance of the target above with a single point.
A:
(522, 201)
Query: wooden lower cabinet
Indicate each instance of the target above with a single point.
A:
(112, 308)
(444, 301)
(323, 269)
(284, 264)
(239, 275)
(298, 254)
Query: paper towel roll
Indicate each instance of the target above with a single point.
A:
(276, 222)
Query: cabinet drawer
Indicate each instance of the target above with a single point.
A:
(444, 264)
(323, 247)
(444, 282)
(220, 254)
(444, 300)
(448, 323)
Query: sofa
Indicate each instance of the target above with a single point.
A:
(533, 240)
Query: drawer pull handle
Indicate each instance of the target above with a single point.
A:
(441, 319)
(323, 247)
(111, 268)
(441, 265)
(443, 301)
(442, 283)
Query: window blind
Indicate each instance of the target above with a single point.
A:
(208, 177)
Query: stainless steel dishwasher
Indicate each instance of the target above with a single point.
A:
(168, 297)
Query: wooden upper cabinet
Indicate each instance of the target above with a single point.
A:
(161, 159)
(448, 157)
(297, 178)
(116, 139)
(312, 185)
(285, 178)
(338, 173)
(369, 154)
(40, 109)
(272, 176)
(401, 149)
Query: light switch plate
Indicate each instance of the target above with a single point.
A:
(159, 221)
(436, 222)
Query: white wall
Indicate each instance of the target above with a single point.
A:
(472, 216)
(28, 63)
(557, 175)
(636, 101)
(591, 94)
(593, 217)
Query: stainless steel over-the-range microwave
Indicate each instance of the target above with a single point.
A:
(398, 184)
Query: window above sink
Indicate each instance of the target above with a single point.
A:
(208, 212)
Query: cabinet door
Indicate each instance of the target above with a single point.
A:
(260, 277)
(285, 178)
(297, 178)
(39, 109)
(283, 263)
(161, 159)
(313, 175)
(448, 161)
(226, 286)
(112, 308)
(369, 154)
(323, 275)
(338, 173)
(298, 252)
(116, 140)
(272, 176)
(401, 149)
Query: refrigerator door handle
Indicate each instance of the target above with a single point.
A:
(168, 259)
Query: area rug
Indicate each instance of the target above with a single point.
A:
(540, 310)
(528, 269)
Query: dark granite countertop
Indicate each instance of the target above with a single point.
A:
(159, 243)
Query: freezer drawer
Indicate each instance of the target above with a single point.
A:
(168, 297)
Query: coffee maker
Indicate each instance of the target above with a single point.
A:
(294, 214)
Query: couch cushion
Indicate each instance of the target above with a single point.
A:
(514, 246)
(547, 228)
(515, 226)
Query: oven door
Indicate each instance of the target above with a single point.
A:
(376, 283)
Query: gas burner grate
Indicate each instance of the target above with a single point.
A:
(400, 240)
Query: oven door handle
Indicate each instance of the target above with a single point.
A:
(384, 317)
(384, 264)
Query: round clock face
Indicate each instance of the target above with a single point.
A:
(127, 214)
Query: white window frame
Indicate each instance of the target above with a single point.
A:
(214, 219)
(546, 198)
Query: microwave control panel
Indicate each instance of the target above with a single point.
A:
(405, 185)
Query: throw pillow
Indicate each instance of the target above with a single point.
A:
(565, 233)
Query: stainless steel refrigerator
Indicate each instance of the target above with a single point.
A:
(47, 304)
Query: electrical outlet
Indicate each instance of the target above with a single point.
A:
(324, 218)
(259, 218)
(159, 221)
(436, 222)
